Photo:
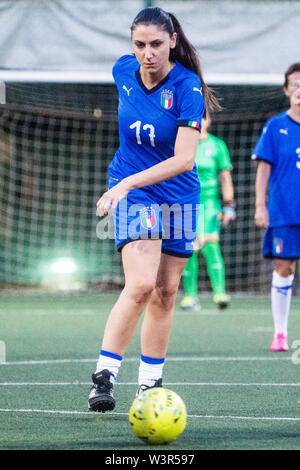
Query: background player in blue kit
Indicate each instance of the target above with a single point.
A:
(162, 98)
(278, 152)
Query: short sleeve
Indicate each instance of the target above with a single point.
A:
(123, 63)
(191, 104)
(264, 149)
(224, 161)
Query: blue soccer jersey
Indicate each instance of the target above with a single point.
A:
(148, 123)
(279, 145)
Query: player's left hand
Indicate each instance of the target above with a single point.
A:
(111, 198)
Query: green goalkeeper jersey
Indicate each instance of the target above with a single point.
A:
(212, 156)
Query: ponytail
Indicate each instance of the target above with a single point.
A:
(184, 52)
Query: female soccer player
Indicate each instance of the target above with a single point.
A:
(212, 160)
(278, 152)
(153, 192)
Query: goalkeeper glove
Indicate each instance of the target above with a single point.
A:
(229, 211)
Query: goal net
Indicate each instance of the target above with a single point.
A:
(56, 142)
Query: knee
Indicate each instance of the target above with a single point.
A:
(166, 295)
(285, 271)
(285, 268)
(141, 291)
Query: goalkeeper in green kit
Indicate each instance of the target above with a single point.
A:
(213, 162)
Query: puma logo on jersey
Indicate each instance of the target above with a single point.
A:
(126, 89)
(197, 89)
(283, 131)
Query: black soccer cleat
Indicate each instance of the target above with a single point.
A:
(143, 387)
(101, 395)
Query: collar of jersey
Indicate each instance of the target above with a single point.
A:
(291, 119)
(149, 91)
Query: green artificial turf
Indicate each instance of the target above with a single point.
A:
(238, 394)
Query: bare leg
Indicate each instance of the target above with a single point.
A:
(122, 321)
(284, 267)
(141, 261)
(158, 319)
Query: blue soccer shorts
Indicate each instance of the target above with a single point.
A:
(282, 242)
(142, 215)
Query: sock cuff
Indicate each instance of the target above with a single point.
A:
(280, 281)
(152, 360)
(111, 355)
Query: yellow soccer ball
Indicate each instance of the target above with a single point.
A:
(158, 416)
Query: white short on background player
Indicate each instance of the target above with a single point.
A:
(278, 178)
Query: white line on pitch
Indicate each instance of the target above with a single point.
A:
(65, 412)
(255, 418)
(197, 384)
(136, 359)
(62, 412)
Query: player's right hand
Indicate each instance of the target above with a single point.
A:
(112, 197)
(261, 217)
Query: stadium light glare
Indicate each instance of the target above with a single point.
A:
(63, 274)
(64, 266)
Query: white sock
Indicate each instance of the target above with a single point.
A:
(281, 299)
(150, 370)
(110, 361)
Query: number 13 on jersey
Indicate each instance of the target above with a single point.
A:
(137, 126)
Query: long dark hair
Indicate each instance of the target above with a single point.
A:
(184, 52)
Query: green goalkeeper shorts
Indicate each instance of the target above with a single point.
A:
(209, 222)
